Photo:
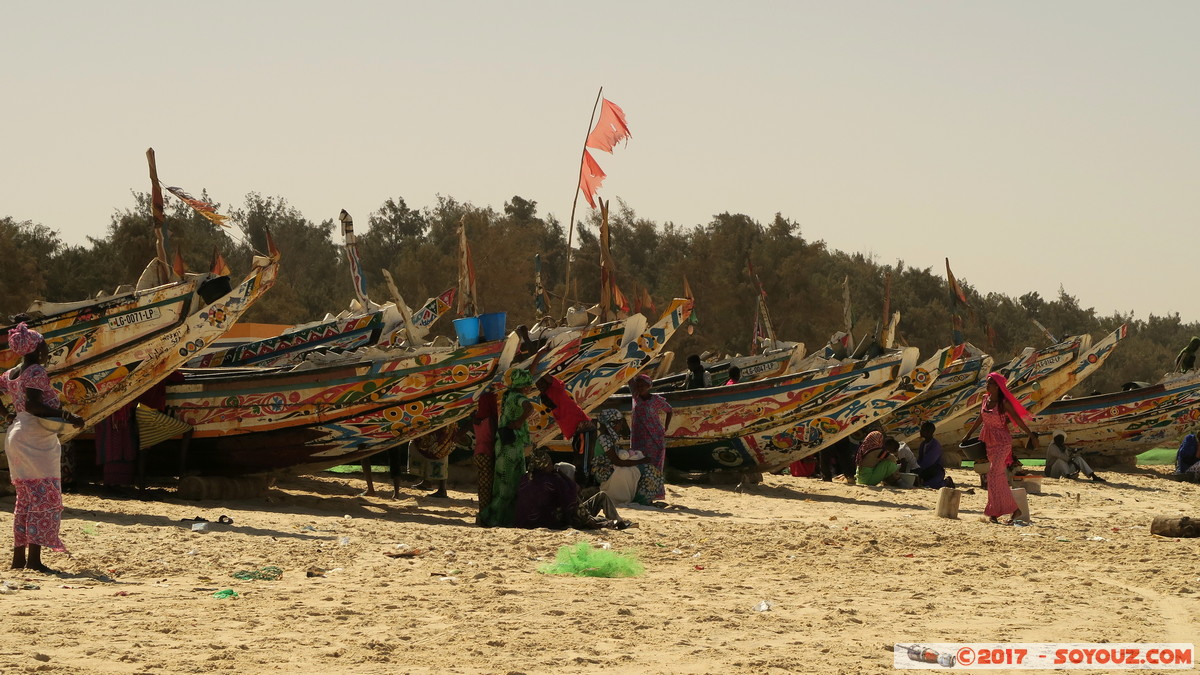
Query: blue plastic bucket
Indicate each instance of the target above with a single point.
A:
(492, 325)
(467, 329)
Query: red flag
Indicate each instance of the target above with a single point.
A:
(648, 302)
(610, 130)
(956, 290)
(219, 267)
(177, 265)
(620, 298)
(591, 176)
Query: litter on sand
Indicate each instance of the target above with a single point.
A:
(268, 573)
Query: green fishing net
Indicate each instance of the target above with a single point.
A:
(582, 560)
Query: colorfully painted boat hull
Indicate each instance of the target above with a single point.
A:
(96, 387)
(1124, 424)
(771, 448)
(738, 409)
(594, 377)
(1038, 378)
(349, 331)
(949, 396)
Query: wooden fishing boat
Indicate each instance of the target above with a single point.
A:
(766, 449)
(592, 377)
(353, 329)
(86, 329)
(1120, 425)
(1037, 378)
(949, 395)
(335, 410)
(738, 409)
(768, 364)
(338, 408)
(98, 370)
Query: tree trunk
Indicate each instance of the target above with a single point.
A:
(1169, 526)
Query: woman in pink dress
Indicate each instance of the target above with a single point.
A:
(33, 451)
(999, 407)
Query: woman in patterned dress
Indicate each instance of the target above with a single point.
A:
(648, 435)
(33, 451)
(512, 438)
(999, 407)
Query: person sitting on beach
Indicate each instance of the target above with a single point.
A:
(735, 375)
(930, 470)
(548, 497)
(838, 460)
(1062, 462)
(1187, 459)
(903, 454)
(1187, 357)
(874, 464)
(614, 468)
(697, 375)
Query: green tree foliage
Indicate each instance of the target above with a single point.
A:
(802, 278)
(28, 257)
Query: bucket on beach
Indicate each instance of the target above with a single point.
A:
(467, 329)
(906, 480)
(974, 449)
(492, 326)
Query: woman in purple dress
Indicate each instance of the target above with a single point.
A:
(648, 435)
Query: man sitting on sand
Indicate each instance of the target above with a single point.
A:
(1064, 463)
(930, 470)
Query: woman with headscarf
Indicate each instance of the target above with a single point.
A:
(874, 464)
(33, 451)
(648, 436)
(617, 476)
(572, 421)
(512, 437)
(1187, 357)
(999, 408)
(1187, 460)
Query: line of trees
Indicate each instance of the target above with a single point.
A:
(802, 278)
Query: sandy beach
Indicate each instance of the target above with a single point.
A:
(845, 570)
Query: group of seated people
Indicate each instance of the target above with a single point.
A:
(550, 497)
(882, 459)
(879, 459)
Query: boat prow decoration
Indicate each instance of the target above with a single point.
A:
(107, 354)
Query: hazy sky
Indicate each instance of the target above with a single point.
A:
(1036, 144)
